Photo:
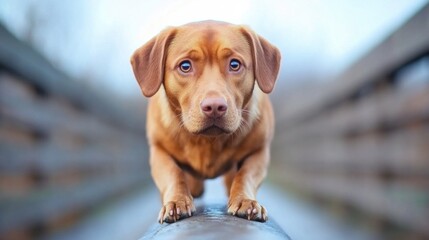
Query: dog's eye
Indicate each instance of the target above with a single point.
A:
(234, 65)
(185, 66)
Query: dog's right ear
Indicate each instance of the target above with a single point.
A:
(148, 62)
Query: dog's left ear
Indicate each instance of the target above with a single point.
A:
(148, 62)
(266, 60)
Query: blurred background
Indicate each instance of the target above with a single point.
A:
(350, 159)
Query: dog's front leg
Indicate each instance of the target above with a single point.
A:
(169, 178)
(242, 199)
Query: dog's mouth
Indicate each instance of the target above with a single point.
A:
(213, 130)
(210, 127)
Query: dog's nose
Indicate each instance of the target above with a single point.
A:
(214, 107)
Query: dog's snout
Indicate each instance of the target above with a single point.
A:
(214, 107)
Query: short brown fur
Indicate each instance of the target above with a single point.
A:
(186, 146)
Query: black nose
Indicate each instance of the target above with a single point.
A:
(214, 107)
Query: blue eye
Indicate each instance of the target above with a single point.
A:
(185, 66)
(234, 65)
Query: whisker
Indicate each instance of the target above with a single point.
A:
(181, 124)
(248, 112)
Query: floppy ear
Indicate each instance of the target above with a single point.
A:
(266, 60)
(148, 62)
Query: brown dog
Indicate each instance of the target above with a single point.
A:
(209, 118)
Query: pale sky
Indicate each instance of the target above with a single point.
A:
(93, 39)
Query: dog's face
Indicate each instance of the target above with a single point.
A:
(209, 78)
(208, 70)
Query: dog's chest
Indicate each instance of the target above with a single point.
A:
(206, 159)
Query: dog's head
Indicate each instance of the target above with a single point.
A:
(208, 70)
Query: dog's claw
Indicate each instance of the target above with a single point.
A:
(189, 211)
(160, 215)
(264, 214)
(175, 210)
(247, 209)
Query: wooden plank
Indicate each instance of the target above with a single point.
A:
(406, 205)
(365, 118)
(401, 153)
(49, 158)
(22, 110)
(44, 116)
(390, 109)
(31, 67)
(53, 202)
(20, 136)
(407, 44)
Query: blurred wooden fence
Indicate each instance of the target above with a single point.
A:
(63, 148)
(364, 140)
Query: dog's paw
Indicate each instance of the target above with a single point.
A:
(248, 209)
(176, 210)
